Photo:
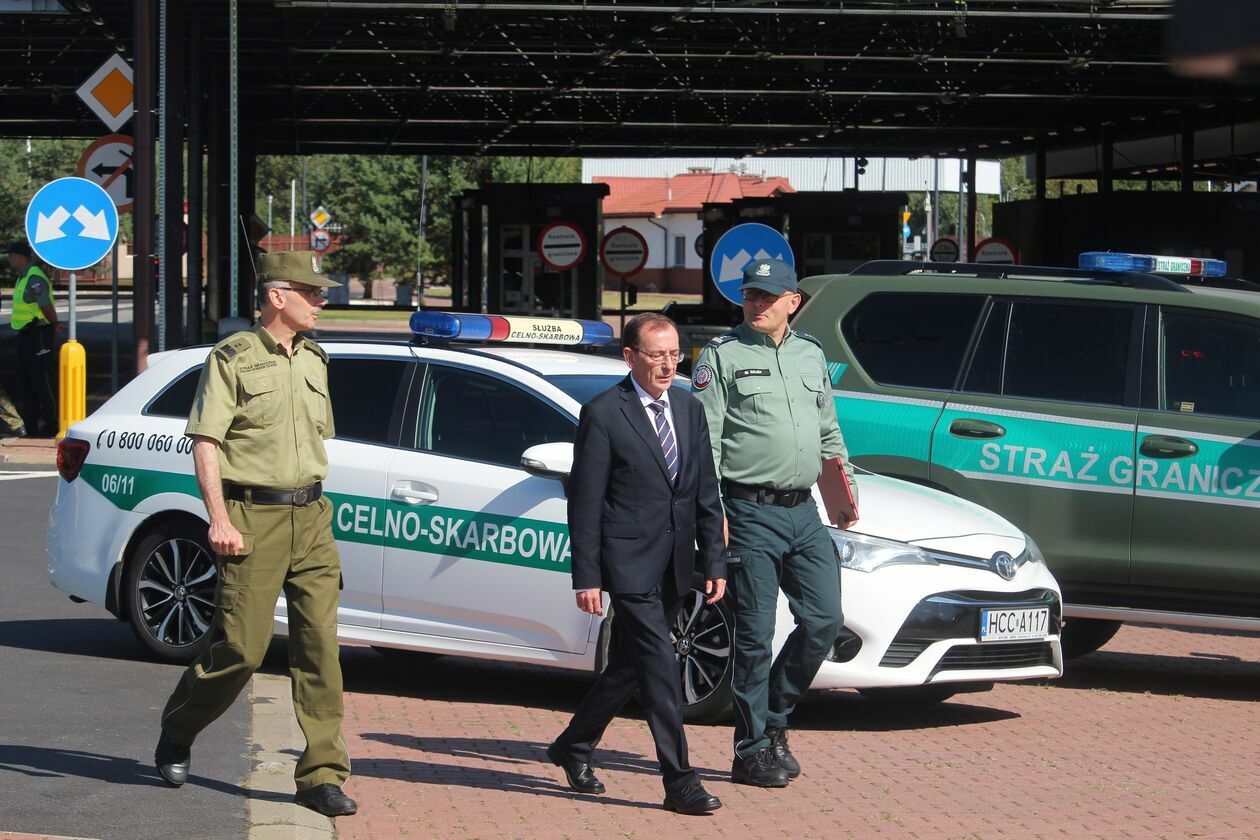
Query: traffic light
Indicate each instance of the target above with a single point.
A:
(905, 217)
(860, 165)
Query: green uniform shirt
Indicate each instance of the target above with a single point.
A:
(772, 419)
(269, 411)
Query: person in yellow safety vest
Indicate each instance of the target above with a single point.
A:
(35, 321)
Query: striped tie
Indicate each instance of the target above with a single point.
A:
(666, 436)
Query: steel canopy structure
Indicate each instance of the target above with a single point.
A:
(973, 78)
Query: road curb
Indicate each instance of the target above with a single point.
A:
(28, 451)
(274, 738)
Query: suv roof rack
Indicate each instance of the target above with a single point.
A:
(1236, 284)
(1001, 271)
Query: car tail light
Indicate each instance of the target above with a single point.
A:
(71, 453)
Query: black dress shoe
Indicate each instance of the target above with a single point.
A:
(580, 775)
(760, 769)
(172, 760)
(691, 799)
(327, 799)
(778, 743)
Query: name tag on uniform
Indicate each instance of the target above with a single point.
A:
(740, 374)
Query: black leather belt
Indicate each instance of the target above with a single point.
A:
(298, 497)
(764, 495)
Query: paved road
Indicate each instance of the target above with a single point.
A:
(80, 710)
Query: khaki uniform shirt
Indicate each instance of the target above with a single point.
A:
(269, 411)
(771, 414)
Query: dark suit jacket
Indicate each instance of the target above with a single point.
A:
(625, 520)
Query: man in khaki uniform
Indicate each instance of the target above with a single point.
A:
(259, 422)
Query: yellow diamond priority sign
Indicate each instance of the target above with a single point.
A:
(109, 92)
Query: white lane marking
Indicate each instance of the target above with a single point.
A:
(14, 476)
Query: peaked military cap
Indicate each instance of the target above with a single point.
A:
(293, 267)
(774, 276)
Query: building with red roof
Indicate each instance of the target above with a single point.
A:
(666, 212)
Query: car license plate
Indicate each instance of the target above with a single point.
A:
(1002, 625)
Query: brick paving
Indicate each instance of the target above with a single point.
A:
(1154, 736)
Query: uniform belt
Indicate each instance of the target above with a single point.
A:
(764, 495)
(298, 497)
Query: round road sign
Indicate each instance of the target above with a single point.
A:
(107, 163)
(995, 250)
(623, 252)
(71, 223)
(944, 249)
(561, 245)
(320, 240)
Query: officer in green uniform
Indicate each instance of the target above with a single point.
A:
(259, 422)
(767, 398)
(35, 320)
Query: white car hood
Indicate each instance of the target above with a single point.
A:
(910, 513)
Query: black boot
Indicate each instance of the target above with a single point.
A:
(760, 769)
(778, 743)
(327, 799)
(172, 760)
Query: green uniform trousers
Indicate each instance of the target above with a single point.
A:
(773, 548)
(291, 548)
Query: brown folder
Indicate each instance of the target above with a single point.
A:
(837, 495)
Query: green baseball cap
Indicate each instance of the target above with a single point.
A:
(293, 267)
(774, 276)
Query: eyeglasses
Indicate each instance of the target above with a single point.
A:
(309, 294)
(659, 356)
(759, 296)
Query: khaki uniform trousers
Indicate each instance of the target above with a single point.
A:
(289, 548)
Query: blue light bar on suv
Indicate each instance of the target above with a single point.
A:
(1150, 263)
(459, 326)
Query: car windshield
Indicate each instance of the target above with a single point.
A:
(582, 387)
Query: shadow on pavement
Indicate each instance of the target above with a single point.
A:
(1200, 674)
(45, 762)
(104, 637)
(537, 777)
(851, 712)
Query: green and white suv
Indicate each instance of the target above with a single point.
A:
(1113, 415)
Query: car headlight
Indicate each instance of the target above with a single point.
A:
(1032, 554)
(866, 554)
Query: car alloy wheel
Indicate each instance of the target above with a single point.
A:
(702, 642)
(171, 587)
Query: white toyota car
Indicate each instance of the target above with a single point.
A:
(448, 478)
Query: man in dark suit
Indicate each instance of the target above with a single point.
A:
(642, 489)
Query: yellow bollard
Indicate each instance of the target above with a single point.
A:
(72, 386)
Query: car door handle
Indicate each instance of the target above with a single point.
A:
(965, 427)
(1163, 446)
(414, 493)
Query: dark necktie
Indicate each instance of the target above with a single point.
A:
(669, 447)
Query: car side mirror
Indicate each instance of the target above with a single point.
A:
(548, 460)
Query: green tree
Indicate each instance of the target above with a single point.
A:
(377, 200)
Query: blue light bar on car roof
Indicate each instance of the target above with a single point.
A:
(1114, 261)
(458, 326)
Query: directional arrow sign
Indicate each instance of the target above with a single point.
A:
(71, 223)
(739, 246)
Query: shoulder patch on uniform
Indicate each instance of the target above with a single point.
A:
(810, 338)
(722, 339)
(234, 345)
(320, 351)
(702, 377)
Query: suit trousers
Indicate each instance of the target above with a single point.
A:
(289, 548)
(773, 548)
(641, 661)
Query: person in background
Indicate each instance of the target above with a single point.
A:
(35, 321)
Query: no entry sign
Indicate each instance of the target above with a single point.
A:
(561, 245)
